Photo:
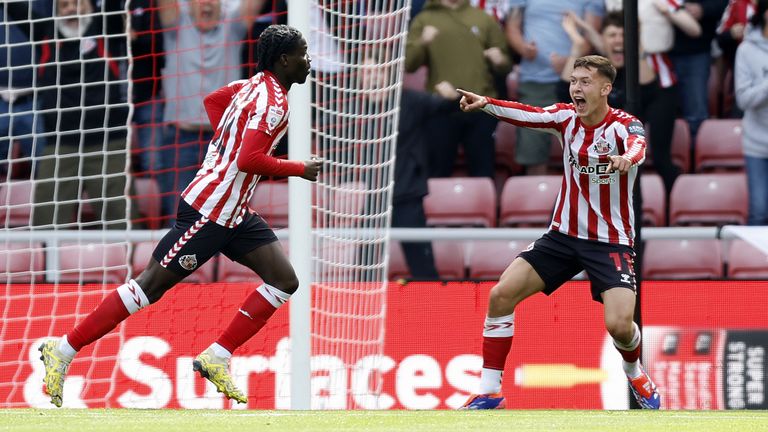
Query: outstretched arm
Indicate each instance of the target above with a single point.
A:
(522, 115)
(254, 159)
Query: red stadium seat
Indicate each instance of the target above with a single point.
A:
(718, 145)
(506, 138)
(489, 259)
(461, 201)
(270, 201)
(746, 261)
(148, 201)
(708, 199)
(398, 267)
(16, 200)
(416, 80)
(449, 260)
(654, 200)
(682, 259)
(529, 200)
(21, 263)
(681, 146)
(93, 262)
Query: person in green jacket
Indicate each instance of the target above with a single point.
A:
(462, 47)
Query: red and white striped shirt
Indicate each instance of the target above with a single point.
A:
(591, 205)
(250, 117)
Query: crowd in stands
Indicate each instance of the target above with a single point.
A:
(703, 68)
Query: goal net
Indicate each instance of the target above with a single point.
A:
(104, 128)
(64, 171)
(358, 50)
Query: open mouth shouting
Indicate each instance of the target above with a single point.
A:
(580, 103)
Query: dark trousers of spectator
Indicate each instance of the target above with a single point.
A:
(418, 255)
(66, 172)
(660, 115)
(757, 172)
(472, 130)
(20, 124)
(692, 72)
(148, 119)
(180, 158)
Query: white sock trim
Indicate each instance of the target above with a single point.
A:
(274, 296)
(633, 343)
(66, 349)
(133, 296)
(220, 351)
(490, 381)
(503, 326)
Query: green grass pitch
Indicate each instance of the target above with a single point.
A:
(120, 420)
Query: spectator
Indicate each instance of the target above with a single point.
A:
(535, 32)
(19, 122)
(752, 97)
(148, 61)
(462, 47)
(658, 93)
(202, 40)
(411, 166)
(692, 58)
(84, 109)
(730, 33)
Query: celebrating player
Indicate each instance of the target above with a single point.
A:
(250, 116)
(592, 227)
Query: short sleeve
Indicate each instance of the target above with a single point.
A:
(267, 119)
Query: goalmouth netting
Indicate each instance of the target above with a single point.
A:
(86, 181)
(360, 48)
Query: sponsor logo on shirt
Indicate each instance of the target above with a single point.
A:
(274, 114)
(636, 128)
(602, 146)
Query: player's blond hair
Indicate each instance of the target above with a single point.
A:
(600, 63)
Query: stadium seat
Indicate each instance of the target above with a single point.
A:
(708, 199)
(654, 200)
(489, 259)
(682, 259)
(16, 198)
(746, 261)
(529, 200)
(461, 201)
(21, 263)
(342, 205)
(505, 140)
(681, 146)
(148, 202)
(398, 267)
(93, 262)
(718, 145)
(449, 260)
(416, 80)
(270, 201)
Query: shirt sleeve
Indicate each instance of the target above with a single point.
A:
(547, 119)
(254, 157)
(635, 143)
(218, 100)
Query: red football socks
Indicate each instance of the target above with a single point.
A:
(251, 317)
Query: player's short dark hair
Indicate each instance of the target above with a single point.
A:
(274, 41)
(758, 19)
(602, 64)
(615, 18)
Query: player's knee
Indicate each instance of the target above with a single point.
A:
(287, 284)
(505, 297)
(620, 327)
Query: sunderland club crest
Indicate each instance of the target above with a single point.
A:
(602, 146)
(188, 262)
